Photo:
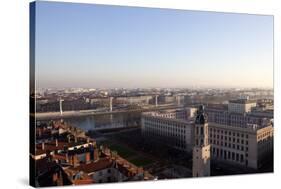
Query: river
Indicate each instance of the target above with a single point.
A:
(109, 121)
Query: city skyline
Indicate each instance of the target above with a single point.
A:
(149, 47)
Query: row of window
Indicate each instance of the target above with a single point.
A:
(228, 155)
(177, 141)
(157, 133)
(229, 145)
(169, 127)
(266, 134)
(225, 138)
(227, 132)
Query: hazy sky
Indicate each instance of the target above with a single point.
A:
(84, 45)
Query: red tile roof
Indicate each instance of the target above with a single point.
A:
(95, 166)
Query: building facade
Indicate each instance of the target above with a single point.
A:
(239, 145)
(241, 106)
(234, 138)
(174, 126)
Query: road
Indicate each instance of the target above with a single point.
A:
(57, 115)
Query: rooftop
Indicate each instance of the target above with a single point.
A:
(242, 101)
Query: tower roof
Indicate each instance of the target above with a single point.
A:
(201, 117)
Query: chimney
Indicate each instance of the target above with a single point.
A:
(88, 139)
(75, 138)
(40, 132)
(57, 143)
(88, 157)
(43, 146)
(66, 157)
(68, 138)
(96, 154)
(75, 160)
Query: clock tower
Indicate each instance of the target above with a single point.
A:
(201, 148)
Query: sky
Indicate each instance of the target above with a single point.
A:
(101, 46)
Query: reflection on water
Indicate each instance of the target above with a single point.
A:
(108, 121)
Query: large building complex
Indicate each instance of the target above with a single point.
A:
(244, 139)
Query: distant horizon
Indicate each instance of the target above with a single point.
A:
(198, 87)
(107, 46)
